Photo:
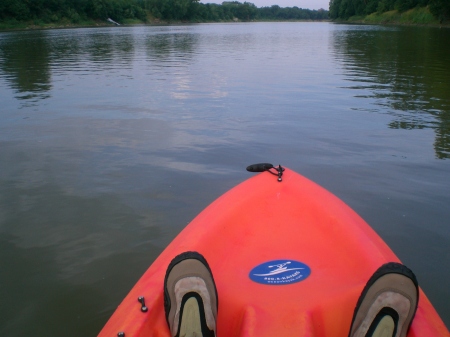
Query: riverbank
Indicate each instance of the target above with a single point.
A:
(415, 16)
(12, 25)
(15, 25)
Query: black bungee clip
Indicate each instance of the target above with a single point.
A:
(262, 167)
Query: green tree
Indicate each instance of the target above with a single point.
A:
(440, 9)
(119, 10)
(334, 8)
(15, 9)
(343, 9)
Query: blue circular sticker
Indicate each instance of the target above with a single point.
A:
(280, 272)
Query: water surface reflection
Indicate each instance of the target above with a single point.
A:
(404, 70)
(26, 65)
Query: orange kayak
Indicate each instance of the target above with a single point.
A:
(289, 259)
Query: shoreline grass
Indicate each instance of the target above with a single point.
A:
(416, 16)
(14, 25)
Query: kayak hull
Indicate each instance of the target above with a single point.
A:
(328, 251)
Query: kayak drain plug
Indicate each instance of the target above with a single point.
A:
(267, 167)
(121, 334)
(141, 300)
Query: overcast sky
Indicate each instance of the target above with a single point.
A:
(311, 4)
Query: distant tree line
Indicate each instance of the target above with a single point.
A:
(291, 13)
(344, 9)
(76, 11)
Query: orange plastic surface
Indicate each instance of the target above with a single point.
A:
(262, 220)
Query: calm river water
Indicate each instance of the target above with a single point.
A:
(113, 139)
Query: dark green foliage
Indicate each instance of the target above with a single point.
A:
(344, 9)
(245, 12)
(440, 9)
(76, 11)
(385, 6)
(72, 10)
(170, 9)
(275, 12)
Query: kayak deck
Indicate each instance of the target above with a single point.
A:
(254, 224)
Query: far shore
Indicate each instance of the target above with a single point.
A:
(392, 23)
(23, 26)
(92, 24)
(419, 16)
